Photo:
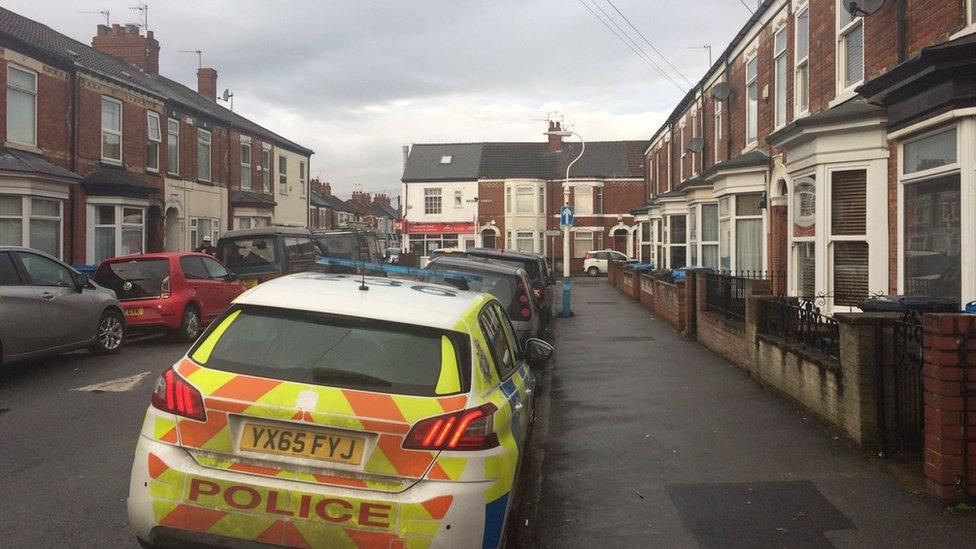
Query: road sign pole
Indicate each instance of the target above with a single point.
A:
(566, 220)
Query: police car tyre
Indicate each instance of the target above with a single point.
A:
(110, 334)
(189, 329)
(593, 271)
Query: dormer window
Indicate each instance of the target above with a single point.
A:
(446, 159)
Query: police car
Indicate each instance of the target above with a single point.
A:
(332, 411)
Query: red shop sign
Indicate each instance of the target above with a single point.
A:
(437, 228)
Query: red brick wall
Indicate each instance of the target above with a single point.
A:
(726, 337)
(491, 206)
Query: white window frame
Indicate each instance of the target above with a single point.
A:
(523, 236)
(266, 170)
(301, 179)
(684, 152)
(33, 93)
(239, 221)
(797, 241)
(752, 108)
(971, 12)
(841, 49)
(118, 223)
(158, 140)
(779, 108)
(577, 210)
(447, 159)
(172, 137)
(433, 201)
(698, 211)
(246, 167)
(576, 239)
(110, 131)
(801, 65)
(529, 191)
(694, 135)
(209, 144)
(194, 226)
(458, 198)
(27, 214)
(282, 174)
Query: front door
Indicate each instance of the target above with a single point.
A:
(620, 241)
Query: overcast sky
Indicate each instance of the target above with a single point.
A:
(355, 80)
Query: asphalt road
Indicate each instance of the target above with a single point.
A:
(65, 454)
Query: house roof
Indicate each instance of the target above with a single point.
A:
(13, 160)
(424, 162)
(381, 210)
(391, 212)
(855, 109)
(116, 182)
(245, 198)
(755, 157)
(41, 38)
(356, 207)
(329, 201)
(515, 160)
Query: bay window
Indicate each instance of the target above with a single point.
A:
(801, 62)
(508, 199)
(647, 243)
(31, 222)
(779, 62)
(850, 49)
(173, 146)
(117, 229)
(709, 236)
(693, 236)
(524, 200)
(749, 238)
(21, 105)
(660, 257)
(245, 166)
(804, 213)
(848, 237)
(725, 234)
(583, 200)
(677, 241)
(524, 241)
(111, 130)
(154, 135)
(932, 201)
(752, 100)
(203, 155)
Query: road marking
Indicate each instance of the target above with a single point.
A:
(120, 385)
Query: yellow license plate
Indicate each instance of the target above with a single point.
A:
(133, 312)
(303, 443)
(250, 282)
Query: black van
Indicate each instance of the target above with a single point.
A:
(260, 254)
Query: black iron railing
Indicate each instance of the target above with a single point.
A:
(726, 295)
(777, 279)
(909, 357)
(800, 322)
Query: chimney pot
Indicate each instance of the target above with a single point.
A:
(132, 28)
(207, 83)
(555, 141)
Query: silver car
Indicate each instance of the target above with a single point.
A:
(46, 307)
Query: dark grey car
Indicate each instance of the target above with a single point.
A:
(46, 307)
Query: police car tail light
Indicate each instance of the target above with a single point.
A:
(469, 429)
(164, 287)
(175, 395)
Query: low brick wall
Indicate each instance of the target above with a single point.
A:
(646, 292)
(725, 337)
(669, 303)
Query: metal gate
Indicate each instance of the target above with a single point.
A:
(909, 422)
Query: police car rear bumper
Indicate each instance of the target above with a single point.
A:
(174, 500)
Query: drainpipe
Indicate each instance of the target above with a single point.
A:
(73, 196)
(727, 112)
(902, 30)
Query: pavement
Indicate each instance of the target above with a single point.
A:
(653, 441)
(68, 427)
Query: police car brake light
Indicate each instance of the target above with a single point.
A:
(175, 395)
(469, 429)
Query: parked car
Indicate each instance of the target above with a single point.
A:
(509, 284)
(533, 264)
(260, 254)
(173, 291)
(315, 398)
(595, 262)
(354, 244)
(46, 307)
(393, 255)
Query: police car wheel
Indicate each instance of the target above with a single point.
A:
(189, 328)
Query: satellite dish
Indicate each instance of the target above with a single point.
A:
(227, 95)
(696, 145)
(721, 91)
(858, 8)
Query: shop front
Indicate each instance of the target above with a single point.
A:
(421, 239)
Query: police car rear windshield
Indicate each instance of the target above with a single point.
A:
(337, 351)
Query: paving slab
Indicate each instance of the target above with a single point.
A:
(655, 441)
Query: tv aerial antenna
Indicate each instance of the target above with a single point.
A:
(144, 12)
(104, 13)
(199, 56)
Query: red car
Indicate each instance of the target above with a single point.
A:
(181, 292)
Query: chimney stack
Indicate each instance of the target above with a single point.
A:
(129, 45)
(207, 83)
(406, 154)
(555, 141)
(361, 197)
(382, 199)
(318, 186)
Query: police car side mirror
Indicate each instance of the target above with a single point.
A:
(537, 352)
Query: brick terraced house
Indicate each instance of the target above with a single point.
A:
(102, 156)
(507, 195)
(837, 149)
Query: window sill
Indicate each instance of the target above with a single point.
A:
(23, 147)
(845, 96)
(111, 162)
(750, 147)
(966, 31)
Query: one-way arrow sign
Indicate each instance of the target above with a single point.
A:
(566, 216)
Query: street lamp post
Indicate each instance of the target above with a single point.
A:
(567, 310)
